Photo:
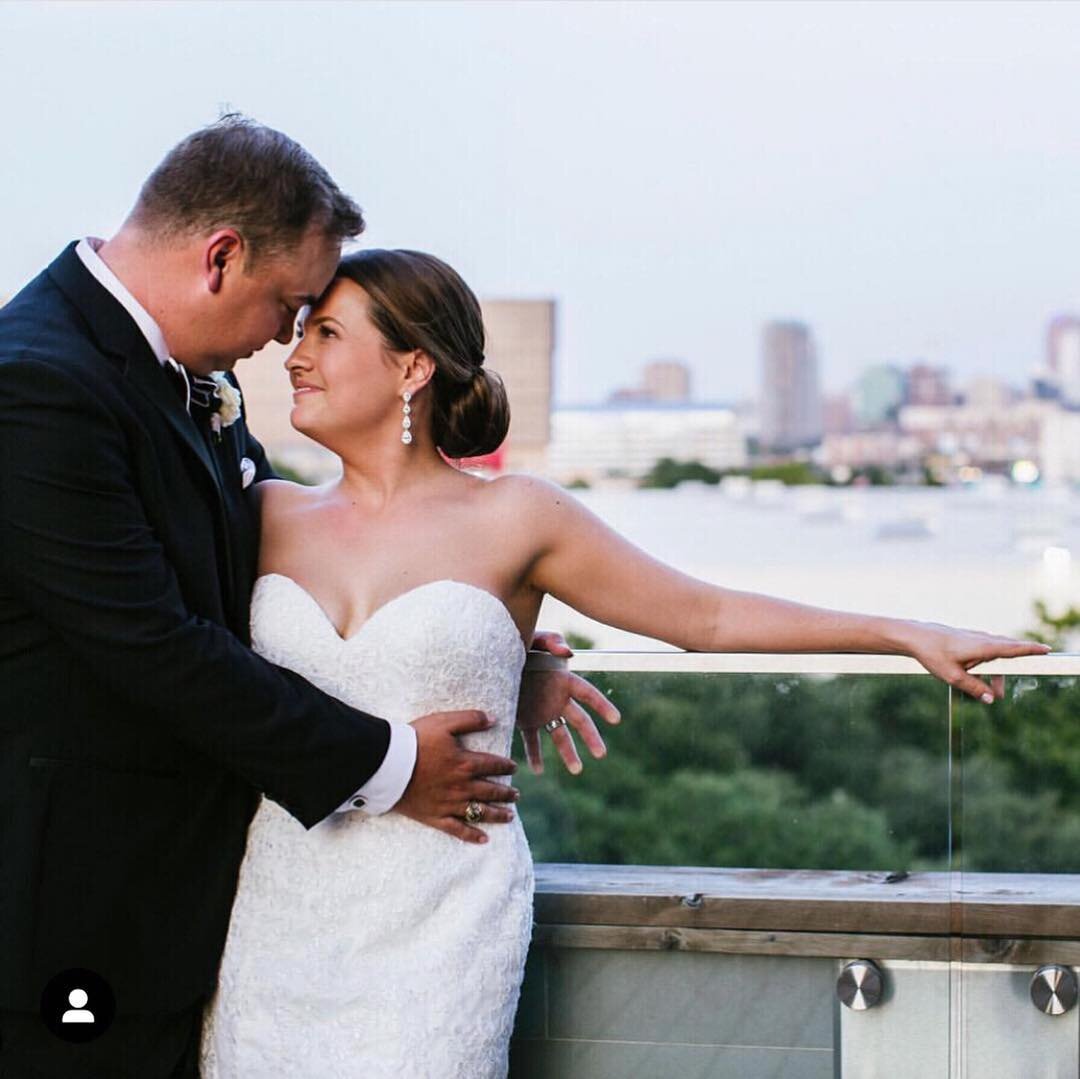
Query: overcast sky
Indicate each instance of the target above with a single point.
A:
(905, 178)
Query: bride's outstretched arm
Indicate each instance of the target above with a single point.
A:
(586, 564)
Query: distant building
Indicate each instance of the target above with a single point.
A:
(790, 416)
(986, 432)
(860, 449)
(628, 395)
(1044, 385)
(520, 346)
(1063, 356)
(1059, 447)
(990, 393)
(878, 395)
(838, 417)
(596, 441)
(667, 380)
(928, 385)
(661, 380)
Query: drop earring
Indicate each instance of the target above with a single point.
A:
(406, 418)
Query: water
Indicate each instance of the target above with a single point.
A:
(975, 557)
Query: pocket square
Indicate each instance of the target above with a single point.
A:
(247, 472)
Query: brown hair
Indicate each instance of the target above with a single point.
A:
(241, 174)
(418, 302)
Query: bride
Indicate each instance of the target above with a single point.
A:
(378, 946)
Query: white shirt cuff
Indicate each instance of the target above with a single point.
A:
(384, 789)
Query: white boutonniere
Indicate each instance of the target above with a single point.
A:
(228, 410)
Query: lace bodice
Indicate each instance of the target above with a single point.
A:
(438, 646)
(359, 948)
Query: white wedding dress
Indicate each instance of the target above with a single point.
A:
(377, 947)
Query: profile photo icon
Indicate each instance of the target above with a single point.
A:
(78, 1005)
(77, 1013)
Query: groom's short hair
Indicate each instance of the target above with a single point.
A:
(237, 173)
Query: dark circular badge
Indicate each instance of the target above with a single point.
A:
(78, 1005)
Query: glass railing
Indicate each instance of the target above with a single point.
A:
(760, 823)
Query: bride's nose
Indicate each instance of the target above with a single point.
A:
(296, 361)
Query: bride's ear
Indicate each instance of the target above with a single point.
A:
(419, 370)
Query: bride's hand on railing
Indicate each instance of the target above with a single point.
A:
(949, 653)
(547, 695)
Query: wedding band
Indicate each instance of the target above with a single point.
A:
(553, 725)
(474, 813)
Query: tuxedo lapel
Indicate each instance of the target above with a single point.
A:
(228, 510)
(118, 336)
(116, 333)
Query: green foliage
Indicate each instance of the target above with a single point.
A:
(793, 473)
(670, 473)
(875, 475)
(578, 641)
(930, 478)
(1008, 829)
(286, 473)
(1054, 630)
(820, 772)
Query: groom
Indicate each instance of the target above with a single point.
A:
(137, 727)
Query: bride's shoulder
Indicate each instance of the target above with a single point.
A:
(281, 498)
(523, 489)
(528, 498)
(285, 492)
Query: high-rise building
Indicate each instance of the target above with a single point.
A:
(790, 388)
(520, 344)
(1063, 356)
(520, 347)
(878, 395)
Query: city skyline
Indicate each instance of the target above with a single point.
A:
(899, 177)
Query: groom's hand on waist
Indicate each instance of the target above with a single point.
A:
(447, 777)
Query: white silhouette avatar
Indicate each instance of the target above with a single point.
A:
(78, 1014)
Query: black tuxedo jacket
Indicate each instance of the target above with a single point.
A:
(136, 727)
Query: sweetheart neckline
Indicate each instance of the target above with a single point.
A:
(390, 602)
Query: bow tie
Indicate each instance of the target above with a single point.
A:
(194, 391)
(204, 393)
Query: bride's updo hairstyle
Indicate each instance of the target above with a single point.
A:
(416, 301)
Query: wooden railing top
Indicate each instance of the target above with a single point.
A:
(818, 901)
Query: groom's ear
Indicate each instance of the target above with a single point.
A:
(223, 254)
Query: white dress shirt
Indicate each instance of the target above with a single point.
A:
(384, 789)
